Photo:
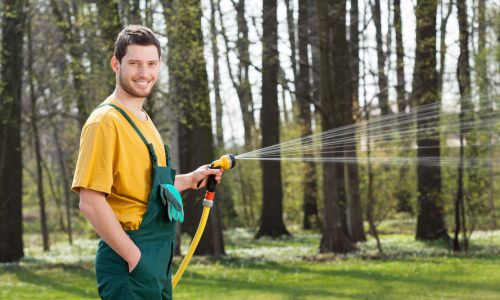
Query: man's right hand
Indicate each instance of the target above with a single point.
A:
(134, 259)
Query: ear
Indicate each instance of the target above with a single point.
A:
(115, 64)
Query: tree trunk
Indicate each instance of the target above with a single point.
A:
(430, 222)
(486, 104)
(67, 197)
(227, 208)
(334, 238)
(109, 24)
(67, 20)
(36, 140)
(370, 212)
(218, 102)
(242, 83)
(11, 227)
(55, 195)
(442, 43)
(272, 207)
(291, 36)
(134, 14)
(466, 112)
(402, 193)
(189, 89)
(303, 91)
(354, 209)
(400, 54)
(314, 42)
(383, 93)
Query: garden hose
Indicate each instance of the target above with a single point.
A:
(226, 162)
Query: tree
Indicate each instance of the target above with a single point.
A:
(486, 105)
(354, 212)
(383, 86)
(68, 19)
(240, 79)
(13, 21)
(215, 52)
(430, 222)
(36, 137)
(333, 94)
(109, 25)
(466, 113)
(188, 81)
(403, 194)
(303, 92)
(272, 206)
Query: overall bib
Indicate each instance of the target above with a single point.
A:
(151, 278)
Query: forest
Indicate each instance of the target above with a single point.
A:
(365, 135)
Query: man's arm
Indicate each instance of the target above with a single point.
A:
(94, 206)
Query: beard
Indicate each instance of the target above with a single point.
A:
(133, 91)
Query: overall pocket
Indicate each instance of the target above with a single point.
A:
(148, 279)
(111, 273)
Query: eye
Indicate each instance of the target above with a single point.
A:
(153, 64)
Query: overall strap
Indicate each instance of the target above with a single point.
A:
(167, 153)
(149, 145)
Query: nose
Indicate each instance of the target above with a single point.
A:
(142, 70)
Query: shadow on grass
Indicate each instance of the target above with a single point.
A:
(438, 280)
(283, 289)
(70, 279)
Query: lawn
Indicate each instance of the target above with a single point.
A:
(288, 268)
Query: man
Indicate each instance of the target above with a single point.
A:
(121, 173)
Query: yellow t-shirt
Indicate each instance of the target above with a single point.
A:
(114, 160)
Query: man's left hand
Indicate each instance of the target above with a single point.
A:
(202, 173)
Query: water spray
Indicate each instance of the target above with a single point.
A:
(391, 140)
(225, 162)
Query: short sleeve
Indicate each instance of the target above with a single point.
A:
(96, 158)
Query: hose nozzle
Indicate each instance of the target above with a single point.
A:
(226, 162)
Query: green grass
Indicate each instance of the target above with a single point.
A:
(287, 268)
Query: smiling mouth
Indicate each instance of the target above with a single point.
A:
(142, 83)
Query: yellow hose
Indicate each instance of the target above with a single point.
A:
(192, 247)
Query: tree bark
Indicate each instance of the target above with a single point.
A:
(303, 92)
(11, 240)
(36, 140)
(442, 43)
(110, 25)
(272, 205)
(486, 104)
(215, 53)
(400, 64)
(189, 89)
(242, 82)
(402, 193)
(63, 169)
(291, 36)
(354, 208)
(314, 42)
(430, 222)
(464, 85)
(383, 86)
(134, 13)
(67, 18)
(332, 93)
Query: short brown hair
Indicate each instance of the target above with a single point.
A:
(134, 35)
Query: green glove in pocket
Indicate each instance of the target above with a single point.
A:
(172, 199)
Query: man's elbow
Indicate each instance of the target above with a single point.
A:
(88, 200)
(85, 206)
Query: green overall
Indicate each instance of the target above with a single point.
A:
(151, 278)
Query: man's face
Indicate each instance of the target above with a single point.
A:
(138, 71)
